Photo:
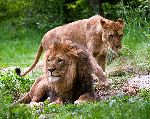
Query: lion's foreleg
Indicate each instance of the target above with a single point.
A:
(86, 97)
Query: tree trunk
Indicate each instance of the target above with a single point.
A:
(95, 7)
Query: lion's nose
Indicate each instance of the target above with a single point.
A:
(52, 69)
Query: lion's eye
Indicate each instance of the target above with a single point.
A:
(59, 60)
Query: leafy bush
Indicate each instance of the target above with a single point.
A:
(12, 8)
(44, 15)
(13, 85)
(77, 10)
(127, 9)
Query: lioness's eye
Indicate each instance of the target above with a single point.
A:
(110, 35)
(120, 35)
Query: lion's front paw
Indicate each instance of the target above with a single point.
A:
(87, 97)
(80, 101)
(57, 101)
(37, 104)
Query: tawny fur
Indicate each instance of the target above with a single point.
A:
(95, 34)
(74, 71)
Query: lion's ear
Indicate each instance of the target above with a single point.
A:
(75, 50)
(104, 24)
(121, 22)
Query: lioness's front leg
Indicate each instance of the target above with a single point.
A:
(103, 81)
(101, 60)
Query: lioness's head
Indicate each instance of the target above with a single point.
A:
(112, 34)
(60, 62)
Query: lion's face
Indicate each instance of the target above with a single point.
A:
(112, 35)
(59, 63)
(57, 66)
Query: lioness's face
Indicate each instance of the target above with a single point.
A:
(112, 34)
(113, 39)
(57, 66)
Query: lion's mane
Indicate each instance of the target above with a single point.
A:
(76, 82)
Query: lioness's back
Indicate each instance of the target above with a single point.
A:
(75, 31)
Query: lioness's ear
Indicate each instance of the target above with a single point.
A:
(104, 24)
(121, 22)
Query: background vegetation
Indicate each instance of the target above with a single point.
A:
(22, 25)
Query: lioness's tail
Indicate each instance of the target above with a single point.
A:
(40, 50)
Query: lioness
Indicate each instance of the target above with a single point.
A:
(67, 76)
(95, 34)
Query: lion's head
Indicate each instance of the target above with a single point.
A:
(65, 60)
(112, 33)
(60, 61)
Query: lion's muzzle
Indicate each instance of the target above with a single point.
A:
(52, 75)
(51, 70)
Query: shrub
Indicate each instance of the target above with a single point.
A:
(13, 85)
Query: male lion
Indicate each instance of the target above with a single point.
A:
(95, 34)
(67, 76)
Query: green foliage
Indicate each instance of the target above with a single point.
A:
(118, 107)
(12, 8)
(127, 9)
(12, 84)
(136, 40)
(44, 15)
(18, 45)
(18, 112)
(77, 10)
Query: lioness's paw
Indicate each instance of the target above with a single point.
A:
(104, 85)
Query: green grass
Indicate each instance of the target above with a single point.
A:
(136, 43)
(118, 107)
(18, 48)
